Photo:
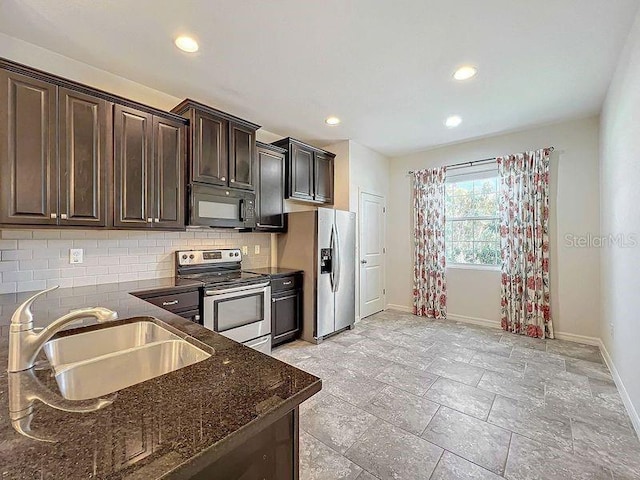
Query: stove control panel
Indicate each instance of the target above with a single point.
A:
(208, 257)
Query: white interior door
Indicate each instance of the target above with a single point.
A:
(372, 250)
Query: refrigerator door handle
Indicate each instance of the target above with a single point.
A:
(336, 262)
(332, 246)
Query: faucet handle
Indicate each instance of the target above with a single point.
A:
(22, 318)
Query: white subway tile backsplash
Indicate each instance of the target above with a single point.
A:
(8, 266)
(17, 276)
(8, 287)
(8, 244)
(32, 285)
(39, 259)
(8, 255)
(16, 234)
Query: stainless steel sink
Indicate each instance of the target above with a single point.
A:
(96, 363)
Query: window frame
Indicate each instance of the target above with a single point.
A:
(471, 174)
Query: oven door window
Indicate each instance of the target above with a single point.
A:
(238, 311)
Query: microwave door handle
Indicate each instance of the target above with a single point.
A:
(242, 210)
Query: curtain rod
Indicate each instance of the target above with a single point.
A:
(470, 164)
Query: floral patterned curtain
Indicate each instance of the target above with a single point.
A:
(429, 290)
(524, 237)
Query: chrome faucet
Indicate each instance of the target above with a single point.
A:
(25, 343)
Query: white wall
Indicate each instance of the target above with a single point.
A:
(619, 211)
(575, 272)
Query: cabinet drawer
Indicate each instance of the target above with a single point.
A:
(177, 302)
(283, 284)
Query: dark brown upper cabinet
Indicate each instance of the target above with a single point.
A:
(309, 172)
(84, 151)
(53, 166)
(222, 147)
(323, 172)
(270, 188)
(148, 170)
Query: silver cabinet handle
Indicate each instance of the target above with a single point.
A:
(63, 216)
(274, 300)
(233, 180)
(224, 179)
(172, 302)
(54, 215)
(286, 283)
(149, 220)
(156, 220)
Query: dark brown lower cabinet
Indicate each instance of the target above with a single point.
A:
(286, 309)
(272, 454)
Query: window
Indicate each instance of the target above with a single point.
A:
(472, 221)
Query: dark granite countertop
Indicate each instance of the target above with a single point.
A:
(168, 427)
(275, 271)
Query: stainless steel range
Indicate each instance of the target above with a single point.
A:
(236, 304)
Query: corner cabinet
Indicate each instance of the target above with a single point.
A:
(270, 188)
(222, 148)
(53, 165)
(149, 164)
(309, 172)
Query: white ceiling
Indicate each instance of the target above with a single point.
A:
(383, 66)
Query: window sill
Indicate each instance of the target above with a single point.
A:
(470, 266)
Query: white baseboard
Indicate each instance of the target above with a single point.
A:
(402, 308)
(572, 337)
(484, 322)
(631, 410)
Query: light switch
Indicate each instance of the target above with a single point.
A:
(245, 250)
(76, 255)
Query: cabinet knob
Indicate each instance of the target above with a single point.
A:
(156, 220)
(224, 179)
(149, 220)
(54, 215)
(233, 180)
(63, 216)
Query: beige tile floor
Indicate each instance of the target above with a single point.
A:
(406, 397)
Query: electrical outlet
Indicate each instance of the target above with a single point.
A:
(611, 329)
(76, 255)
(245, 250)
(256, 249)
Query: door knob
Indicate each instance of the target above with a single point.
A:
(363, 262)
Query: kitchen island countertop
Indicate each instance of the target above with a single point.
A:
(171, 426)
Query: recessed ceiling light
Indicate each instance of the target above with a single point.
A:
(465, 73)
(186, 44)
(333, 121)
(453, 121)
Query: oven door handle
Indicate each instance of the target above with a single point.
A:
(222, 291)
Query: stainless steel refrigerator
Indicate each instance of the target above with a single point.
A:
(322, 243)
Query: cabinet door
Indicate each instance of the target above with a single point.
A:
(270, 190)
(301, 181)
(242, 151)
(168, 162)
(210, 156)
(83, 148)
(28, 155)
(133, 135)
(323, 166)
(285, 319)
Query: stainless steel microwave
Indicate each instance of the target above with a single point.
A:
(212, 206)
